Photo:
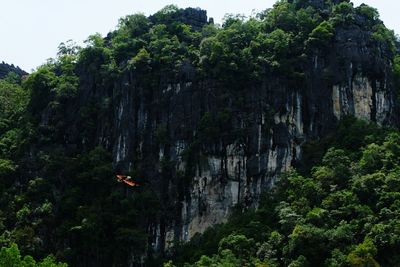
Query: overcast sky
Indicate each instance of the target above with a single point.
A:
(31, 30)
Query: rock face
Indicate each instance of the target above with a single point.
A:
(6, 68)
(195, 17)
(199, 188)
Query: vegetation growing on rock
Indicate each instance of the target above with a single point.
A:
(58, 138)
(340, 212)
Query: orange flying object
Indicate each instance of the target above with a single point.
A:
(126, 179)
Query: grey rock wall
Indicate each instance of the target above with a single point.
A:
(352, 78)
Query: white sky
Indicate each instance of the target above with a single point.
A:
(31, 30)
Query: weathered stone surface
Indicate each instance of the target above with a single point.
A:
(351, 79)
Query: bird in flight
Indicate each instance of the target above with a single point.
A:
(126, 179)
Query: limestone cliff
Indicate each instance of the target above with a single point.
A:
(280, 116)
(199, 175)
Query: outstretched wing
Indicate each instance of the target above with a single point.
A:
(121, 177)
(130, 182)
(127, 180)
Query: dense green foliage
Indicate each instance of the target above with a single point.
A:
(11, 257)
(50, 193)
(60, 197)
(343, 212)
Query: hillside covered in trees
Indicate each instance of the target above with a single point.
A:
(265, 141)
(342, 211)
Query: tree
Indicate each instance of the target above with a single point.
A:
(370, 13)
(343, 14)
(11, 257)
(13, 102)
(322, 35)
(384, 36)
(363, 255)
(241, 246)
